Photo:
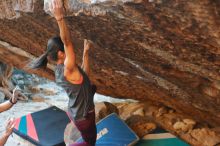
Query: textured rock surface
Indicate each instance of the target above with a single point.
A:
(163, 50)
(193, 132)
(103, 109)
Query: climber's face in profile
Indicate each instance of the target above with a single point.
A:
(55, 50)
(61, 55)
(54, 57)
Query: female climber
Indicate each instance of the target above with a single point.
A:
(71, 77)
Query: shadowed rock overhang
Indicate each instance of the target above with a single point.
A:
(161, 50)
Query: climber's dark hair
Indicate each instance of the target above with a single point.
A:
(54, 45)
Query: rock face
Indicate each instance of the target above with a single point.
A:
(161, 50)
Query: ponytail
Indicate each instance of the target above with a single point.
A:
(39, 62)
(54, 45)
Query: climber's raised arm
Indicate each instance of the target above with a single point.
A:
(85, 61)
(71, 70)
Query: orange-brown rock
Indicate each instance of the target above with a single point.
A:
(161, 50)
